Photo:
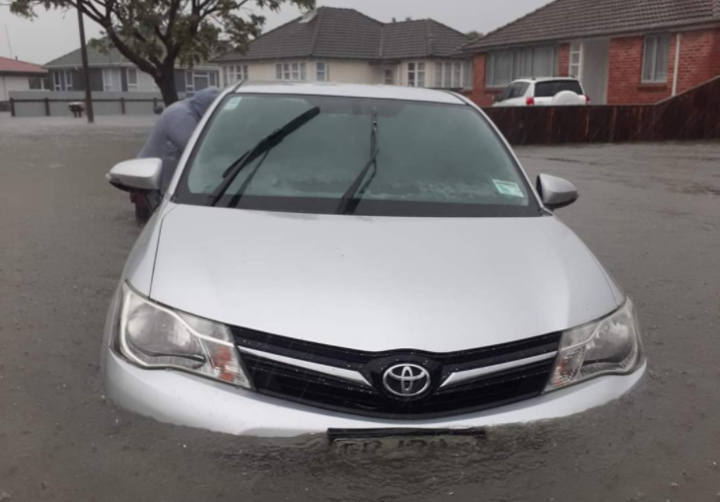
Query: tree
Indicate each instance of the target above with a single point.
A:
(156, 35)
(474, 35)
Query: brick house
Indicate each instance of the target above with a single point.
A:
(623, 52)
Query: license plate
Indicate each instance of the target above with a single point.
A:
(359, 441)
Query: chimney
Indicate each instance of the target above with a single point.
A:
(394, 20)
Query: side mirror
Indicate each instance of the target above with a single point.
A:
(137, 174)
(497, 98)
(556, 192)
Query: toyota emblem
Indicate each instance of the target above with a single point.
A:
(406, 380)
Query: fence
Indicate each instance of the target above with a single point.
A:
(53, 104)
(692, 115)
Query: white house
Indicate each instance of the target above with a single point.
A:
(344, 45)
(112, 72)
(20, 76)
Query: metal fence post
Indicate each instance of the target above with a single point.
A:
(12, 107)
(122, 105)
(47, 107)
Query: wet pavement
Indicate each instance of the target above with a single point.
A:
(651, 213)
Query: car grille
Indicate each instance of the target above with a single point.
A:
(277, 367)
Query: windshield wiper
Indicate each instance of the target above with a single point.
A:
(263, 146)
(349, 196)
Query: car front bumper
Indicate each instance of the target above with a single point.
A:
(183, 399)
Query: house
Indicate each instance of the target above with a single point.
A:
(343, 45)
(623, 52)
(20, 76)
(112, 72)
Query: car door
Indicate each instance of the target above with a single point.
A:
(544, 92)
(559, 93)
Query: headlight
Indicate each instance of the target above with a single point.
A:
(153, 336)
(608, 346)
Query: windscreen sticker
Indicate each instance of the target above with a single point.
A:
(508, 188)
(233, 103)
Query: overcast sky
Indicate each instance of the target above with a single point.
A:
(54, 33)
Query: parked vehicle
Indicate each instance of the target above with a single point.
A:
(352, 257)
(544, 92)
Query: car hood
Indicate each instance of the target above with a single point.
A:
(379, 283)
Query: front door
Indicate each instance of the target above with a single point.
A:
(595, 64)
(389, 76)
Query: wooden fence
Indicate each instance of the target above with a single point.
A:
(692, 115)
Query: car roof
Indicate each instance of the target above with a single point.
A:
(350, 90)
(546, 79)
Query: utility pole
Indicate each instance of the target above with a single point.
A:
(86, 67)
(7, 32)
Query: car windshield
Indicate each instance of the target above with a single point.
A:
(550, 89)
(434, 159)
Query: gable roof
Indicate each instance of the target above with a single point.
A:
(95, 58)
(98, 59)
(422, 38)
(568, 19)
(331, 32)
(13, 66)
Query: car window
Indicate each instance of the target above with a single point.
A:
(519, 89)
(432, 156)
(507, 92)
(551, 88)
(516, 90)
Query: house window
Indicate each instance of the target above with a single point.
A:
(107, 79)
(291, 71)
(451, 75)
(575, 60)
(236, 73)
(416, 75)
(68, 80)
(132, 79)
(522, 64)
(389, 76)
(505, 66)
(439, 80)
(468, 76)
(39, 83)
(322, 72)
(500, 69)
(201, 80)
(57, 81)
(655, 59)
(198, 80)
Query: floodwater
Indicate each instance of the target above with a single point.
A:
(650, 212)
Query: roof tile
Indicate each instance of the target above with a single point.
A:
(567, 19)
(95, 58)
(349, 34)
(8, 65)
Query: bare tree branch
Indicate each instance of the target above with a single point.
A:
(91, 13)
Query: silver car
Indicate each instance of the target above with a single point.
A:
(343, 257)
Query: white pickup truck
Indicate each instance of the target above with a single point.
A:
(543, 92)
